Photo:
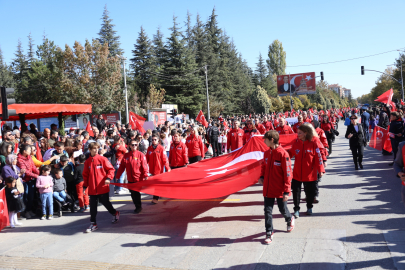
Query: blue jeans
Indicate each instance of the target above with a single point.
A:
(60, 195)
(47, 201)
(29, 194)
(121, 180)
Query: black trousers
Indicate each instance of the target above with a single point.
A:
(329, 139)
(317, 185)
(395, 143)
(357, 153)
(136, 198)
(194, 159)
(268, 212)
(104, 199)
(310, 191)
(216, 147)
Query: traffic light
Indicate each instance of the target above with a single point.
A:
(292, 102)
(362, 70)
(321, 75)
(6, 113)
(174, 112)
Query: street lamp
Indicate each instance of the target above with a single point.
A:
(125, 89)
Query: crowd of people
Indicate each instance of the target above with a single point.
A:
(46, 173)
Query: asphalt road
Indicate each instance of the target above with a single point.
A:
(358, 224)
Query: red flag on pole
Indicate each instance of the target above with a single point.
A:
(89, 130)
(380, 139)
(201, 118)
(135, 123)
(4, 219)
(402, 102)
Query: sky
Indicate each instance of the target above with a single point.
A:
(311, 32)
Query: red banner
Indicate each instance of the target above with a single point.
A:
(4, 220)
(380, 139)
(214, 177)
(302, 83)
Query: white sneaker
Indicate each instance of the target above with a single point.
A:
(116, 217)
(290, 227)
(50, 217)
(18, 224)
(43, 217)
(121, 192)
(93, 227)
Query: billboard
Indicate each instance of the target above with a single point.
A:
(157, 116)
(300, 84)
(109, 118)
(83, 120)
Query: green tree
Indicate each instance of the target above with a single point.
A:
(30, 53)
(143, 64)
(19, 67)
(6, 75)
(159, 50)
(108, 35)
(276, 62)
(277, 104)
(260, 100)
(261, 70)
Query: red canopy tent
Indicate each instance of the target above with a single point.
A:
(35, 111)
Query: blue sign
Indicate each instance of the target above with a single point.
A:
(28, 122)
(47, 122)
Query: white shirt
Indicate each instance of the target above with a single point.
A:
(286, 88)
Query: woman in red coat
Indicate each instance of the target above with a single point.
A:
(195, 146)
(308, 163)
(250, 131)
(327, 127)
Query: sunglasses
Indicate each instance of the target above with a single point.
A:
(134, 144)
(353, 118)
(154, 139)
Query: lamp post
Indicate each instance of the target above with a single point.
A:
(125, 89)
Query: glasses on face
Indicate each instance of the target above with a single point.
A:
(135, 144)
(352, 118)
(154, 139)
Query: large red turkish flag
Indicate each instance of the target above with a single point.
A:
(380, 139)
(4, 220)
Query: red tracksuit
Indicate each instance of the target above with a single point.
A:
(235, 139)
(308, 160)
(178, 156)
(276, 172)
(249, 134)
(195, 146)
(261, 128)
(96, 170)
(284, 130)
(326, 126)
(296, 126)
(322, 138)
(268, 125)
(157, 159)
(134, 162)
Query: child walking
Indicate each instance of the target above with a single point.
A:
(45, 187)
(14, 203)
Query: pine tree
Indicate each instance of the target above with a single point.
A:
(182, 79)
(6, 76)
(200, 42)
(159, 50)
(30, 52)
(108, 35)
(19, 67)
(188, 34)
(261, 70)
(142, 64)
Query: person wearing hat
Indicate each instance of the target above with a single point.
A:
(357, 141)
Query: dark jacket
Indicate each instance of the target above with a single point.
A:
(397, 127)
(68, 172)
(79, 173)
(100, 124)
(59, 184)
(358, 137)
(365, 119)
(384, 120)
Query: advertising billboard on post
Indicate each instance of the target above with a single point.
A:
(109, 118)
(157, 116)
(300, 84)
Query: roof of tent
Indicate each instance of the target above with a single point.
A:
(35, 111)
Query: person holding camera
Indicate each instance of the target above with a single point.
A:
(357, 141)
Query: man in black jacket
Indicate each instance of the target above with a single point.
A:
(396, 132)
(214, 134)
(100, 123)
(384, 122)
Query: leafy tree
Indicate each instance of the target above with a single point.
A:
(260, 100)
(155, 98)
(216, 106)
(108, 35)
(277, 104)
(276, 62)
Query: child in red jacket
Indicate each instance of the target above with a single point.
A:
(276, 175)
(97, 174)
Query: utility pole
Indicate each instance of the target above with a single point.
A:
(208, 101)
(291, 106)
(125, 90)
(402, 79)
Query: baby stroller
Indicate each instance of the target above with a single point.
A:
(58, 208)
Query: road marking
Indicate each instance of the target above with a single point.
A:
(179, 200)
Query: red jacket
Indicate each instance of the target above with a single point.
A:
(157, 159)
(277, 173)
(296, 126)
(234, 139)
(178, 156)
(249, 134)
(326, 126)
(322, 138)
(268, 125)
(284, 130)
(261, 128)
(26, 163)
(308, 160)
(307, 120)
(96, 170)
(195, 146)
(134, 162)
